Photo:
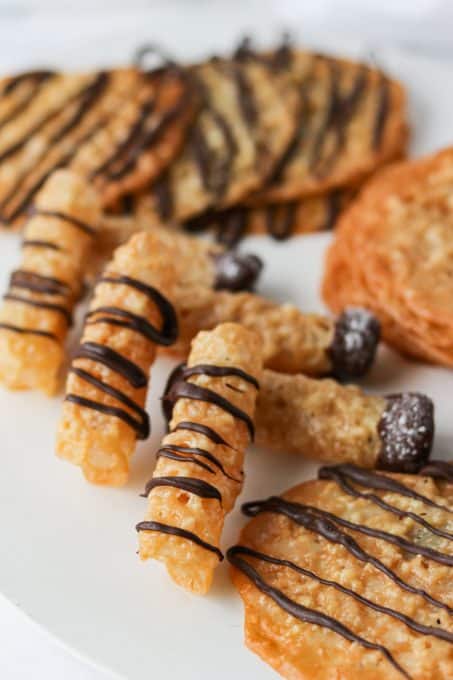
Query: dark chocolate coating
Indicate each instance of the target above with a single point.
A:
(356, 337)
(406, 429)
(237, 272)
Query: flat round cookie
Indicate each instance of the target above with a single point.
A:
(118, 129)
(400, 232)
(350, 576)
(245, 124)
(352, 119)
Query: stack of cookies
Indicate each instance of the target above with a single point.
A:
(393, 253)
(281, 142)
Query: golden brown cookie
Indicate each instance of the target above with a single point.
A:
(352, 119)
(399, 229)
(350, 576)
(246, 121)
(324, 420)
(129, 317)
(35, 316)
(118, 129)
(214, 286)
(199, 472)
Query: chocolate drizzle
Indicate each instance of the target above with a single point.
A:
(28, 331)
(140, 425)
(325, 524)
(168, 334)
(114, 361)
(181, 533)
(206, 431)
(178, 388)
(117, 362)
(38, 283)
(33, 243)
(74, 221)
(173, 452)
(300, 612)
(344, 474)
(190, 484)
(60, 309)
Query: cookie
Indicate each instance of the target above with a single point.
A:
(349, 576)
(36, 312)
(326, 421)
(117, 129)
(216, 291)
(278, 220)
(199, 473)
(352, 119)
(129, 317)
(400, 226)
(246, 120)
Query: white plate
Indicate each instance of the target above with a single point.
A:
(68, 548)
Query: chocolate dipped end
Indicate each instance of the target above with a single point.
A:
(406, 429)
(236, 272)
(356, 337)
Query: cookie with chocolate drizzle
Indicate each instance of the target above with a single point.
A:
(36, 313)
(351, 575)
(351, 120)
(246, 120)
(128, 319)
(198, 474)
(117, 129)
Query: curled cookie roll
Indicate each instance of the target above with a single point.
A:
(217, 291)
(324, 420)
(36, 312)
(129, 316)
(199, 474)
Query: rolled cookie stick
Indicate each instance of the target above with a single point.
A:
(334, 423)
(323, 420)
(103, 412)
(199, 474)
(213, 287)
(36, 312)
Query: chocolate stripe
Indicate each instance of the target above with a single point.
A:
(171, 452)
(169, 331)
(202, 429)
(338, 475)
(183, 390)
(189, 450)
(181, 533)
(28, 331)
(219, 372)
(280, 226)
(74, 221)
(189, 484)
(103, 408)
(60, 309)
(305, 614)
(141, 426)
(439, 633)
(32, 243)
(38, 283)
(132, 321)
(324, 524)
(107, 356)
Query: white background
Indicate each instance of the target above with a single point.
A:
(422, 26)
